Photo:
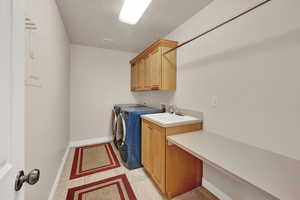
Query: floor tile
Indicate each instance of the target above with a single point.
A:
(141, 184)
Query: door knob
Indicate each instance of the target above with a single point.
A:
(32, 178)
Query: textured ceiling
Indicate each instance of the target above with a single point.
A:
(91, 22)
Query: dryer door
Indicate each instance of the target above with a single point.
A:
(121, 131)
(114, 119)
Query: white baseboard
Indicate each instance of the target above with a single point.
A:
(216, 191)
(90, 141)
(60, 170)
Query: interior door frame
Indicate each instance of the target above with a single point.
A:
(17, 99)
(18, 80)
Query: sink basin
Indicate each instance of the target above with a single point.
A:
(169, 120)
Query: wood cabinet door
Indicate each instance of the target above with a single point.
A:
(157, 149)
(137, 75)
(132, 81)
(147, 75)
(146, 146)
(168, 69)
(141, 74)
(183, 171)
(134, 76)
(156, 73)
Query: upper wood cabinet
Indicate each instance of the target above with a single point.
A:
(152, 70)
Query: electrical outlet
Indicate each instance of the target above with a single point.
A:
(214, 101)
(163, 105)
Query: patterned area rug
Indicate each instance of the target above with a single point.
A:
(114, 188)
(92, 159)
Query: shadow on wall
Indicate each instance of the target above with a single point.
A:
(241, 188)
(187, 82)
(287, 39)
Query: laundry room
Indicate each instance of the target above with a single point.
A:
(150, 100)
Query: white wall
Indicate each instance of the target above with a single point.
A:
(252, 66)
(100, 78)
(47, 108)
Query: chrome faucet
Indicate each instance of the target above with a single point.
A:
(172, 108)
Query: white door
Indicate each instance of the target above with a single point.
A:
(11, 96)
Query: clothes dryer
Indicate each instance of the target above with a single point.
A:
(115, 114)
(128, 135)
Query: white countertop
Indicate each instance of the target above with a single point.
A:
(275, 174)
(170, 120)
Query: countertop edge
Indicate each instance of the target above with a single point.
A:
(171, 124)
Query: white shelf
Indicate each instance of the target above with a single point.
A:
(275, 174)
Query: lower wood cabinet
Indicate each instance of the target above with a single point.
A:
(173, 170)
(153, 152)
(184, 171)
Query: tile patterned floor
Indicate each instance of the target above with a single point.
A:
(142, 185)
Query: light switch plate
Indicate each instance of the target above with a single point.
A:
(214, 101)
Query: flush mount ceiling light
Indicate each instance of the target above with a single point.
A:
(107, 40)
(133, 10)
